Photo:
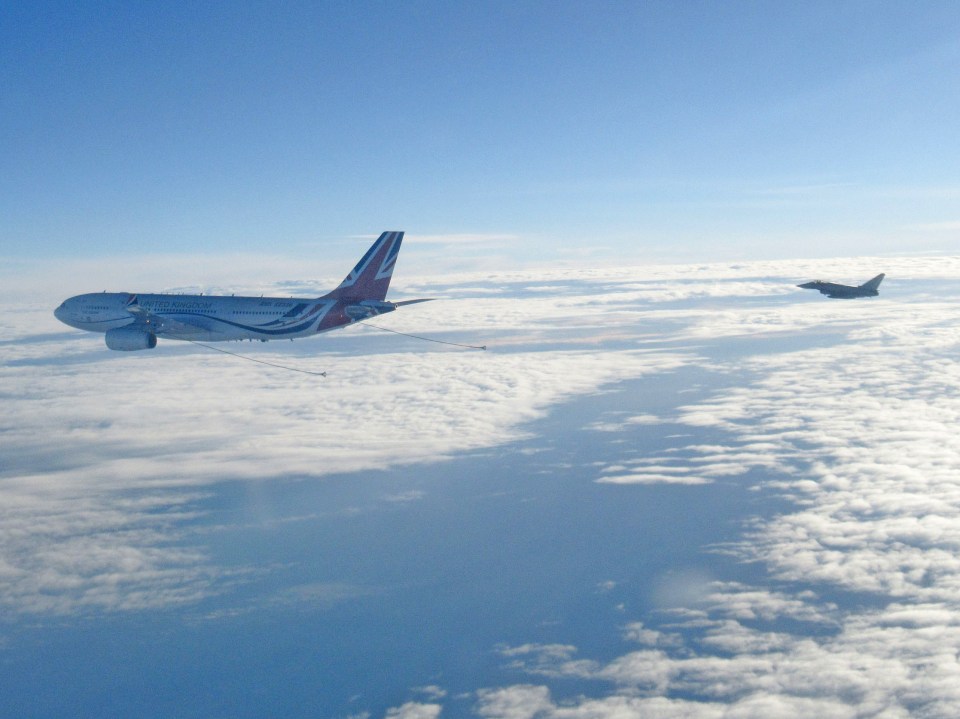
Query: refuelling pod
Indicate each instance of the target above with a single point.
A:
(127, 339)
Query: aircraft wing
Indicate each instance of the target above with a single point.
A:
(364, 309)
(165, 325)
(411, 302)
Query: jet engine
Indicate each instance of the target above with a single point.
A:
(127, 339)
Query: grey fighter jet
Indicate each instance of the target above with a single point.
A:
(845, 292)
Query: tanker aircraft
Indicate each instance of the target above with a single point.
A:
(845, 292)
(135, 321)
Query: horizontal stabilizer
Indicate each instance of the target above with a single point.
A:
(412, 302)
(371, 308)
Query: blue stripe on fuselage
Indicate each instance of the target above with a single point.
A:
(249, 328)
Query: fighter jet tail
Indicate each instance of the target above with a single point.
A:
(874, 283)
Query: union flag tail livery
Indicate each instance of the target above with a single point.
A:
(135, 321)
(370, 279)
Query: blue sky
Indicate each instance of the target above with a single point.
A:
(660, 130)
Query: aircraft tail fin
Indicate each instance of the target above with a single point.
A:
(370, 279)
(874, 283)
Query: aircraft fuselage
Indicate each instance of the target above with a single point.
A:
(214, 318)
(835, 291)
(135, 321)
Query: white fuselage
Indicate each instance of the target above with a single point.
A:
(206, 317)
(134, 321)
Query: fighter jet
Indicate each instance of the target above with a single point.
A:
(845, 292)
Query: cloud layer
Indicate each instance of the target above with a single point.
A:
(105, 455)
(844, 412)
(860, 615)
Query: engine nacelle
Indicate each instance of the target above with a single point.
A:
(127, 339)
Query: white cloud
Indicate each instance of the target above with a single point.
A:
(862, 436)
(619, 423)
(68, 549)
(652, 478)
(945, 226)
(414, 710)
(432, 691)
(77, 439)
(461, 239)
(86, 431)
(404, 497)
(638, 633)
(420, 407)
(517, 702)
(535, 702)
(104, 461)
(552, 652)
